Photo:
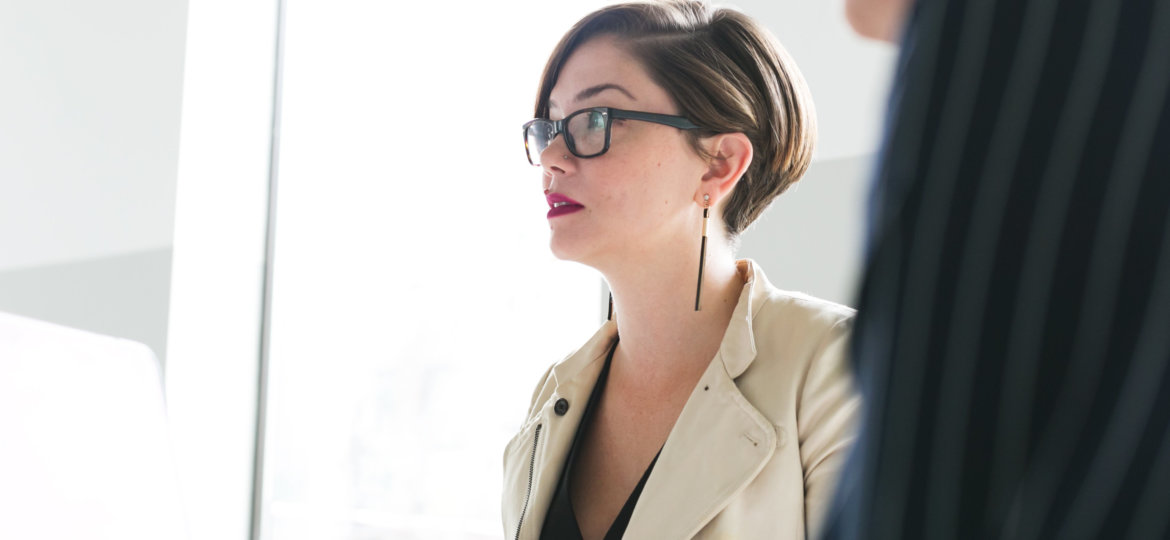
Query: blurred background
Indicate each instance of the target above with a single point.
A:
(319, 217)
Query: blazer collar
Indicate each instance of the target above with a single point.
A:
(739, 342)
(592, 351)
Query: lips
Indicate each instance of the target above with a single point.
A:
(560, 205)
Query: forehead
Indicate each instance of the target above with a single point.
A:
(601, 61)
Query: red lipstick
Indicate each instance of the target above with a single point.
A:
(560, 205)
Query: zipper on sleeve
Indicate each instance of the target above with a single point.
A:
(531, 472)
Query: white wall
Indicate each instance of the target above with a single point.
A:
(810, 239)
(121, 295)
(848, 75)
(89, 128)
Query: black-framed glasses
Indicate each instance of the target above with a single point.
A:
(587, 130)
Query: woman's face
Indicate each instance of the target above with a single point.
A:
(641, 195)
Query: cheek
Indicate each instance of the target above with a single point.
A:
(658, 159)
(647, 195)
(645, 179)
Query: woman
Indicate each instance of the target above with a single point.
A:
(723, 410)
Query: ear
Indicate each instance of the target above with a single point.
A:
(731, 155)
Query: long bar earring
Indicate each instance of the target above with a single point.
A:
(703, 248)
(610, 316)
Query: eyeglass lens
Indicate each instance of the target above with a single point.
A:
(586, 135)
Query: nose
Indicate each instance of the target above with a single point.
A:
(556, 158)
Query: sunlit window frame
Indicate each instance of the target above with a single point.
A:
(220, 270)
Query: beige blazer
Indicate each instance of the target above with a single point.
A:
(758, 446)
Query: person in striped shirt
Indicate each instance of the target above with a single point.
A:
(1013, 333)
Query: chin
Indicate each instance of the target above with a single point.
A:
(560, 250)
(568, 249)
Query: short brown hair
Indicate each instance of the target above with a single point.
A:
(726, 73)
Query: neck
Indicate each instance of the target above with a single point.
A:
(662, 336)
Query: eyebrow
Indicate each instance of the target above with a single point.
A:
(594, 90)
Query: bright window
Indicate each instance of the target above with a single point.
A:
(415, 303)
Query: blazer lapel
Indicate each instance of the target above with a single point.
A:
(718, 445)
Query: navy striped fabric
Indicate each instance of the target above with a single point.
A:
(1013, 333)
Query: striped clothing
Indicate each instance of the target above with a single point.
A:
(1013, 336)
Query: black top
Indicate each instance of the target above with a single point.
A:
(561, 523)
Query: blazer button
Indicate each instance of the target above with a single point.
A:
(561, 407)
